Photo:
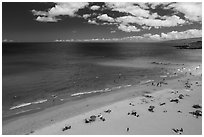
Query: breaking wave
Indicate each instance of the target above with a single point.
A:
(100, 91)
(28, 104)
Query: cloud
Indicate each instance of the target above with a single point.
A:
(148, 37)
(95, 7)
(37, 13)
(128, 8)
(128, 28)
(191, 33)
(166, 21)
(173, 35)
(192, 11)
(143, 5)
(92, 22)
(140, 13)
(108, 23)
(85, 16)
(69, 8)
(46, 19)
(105, 17)
(153, 5)
(146, 27)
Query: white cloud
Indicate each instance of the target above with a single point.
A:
(173, 35)
(141, 15)
(192, 11)
(155, 37)
(37, 13)
(108, 23)
(191, 33)
(105, 17)
(69, 8)
(85, 16)
(146, 27)
(92, 22)
(143, 5)
(128, 28)
(46, 19)
(128, 7)
(95, 7)
(165, 22)
(155, 4)
(137, 13)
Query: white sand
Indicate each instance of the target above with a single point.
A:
(157, 122)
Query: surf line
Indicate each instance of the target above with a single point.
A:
(28, 104)
(100, 91)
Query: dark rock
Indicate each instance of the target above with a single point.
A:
(191, 45)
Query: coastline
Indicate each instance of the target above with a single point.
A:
(37, 122)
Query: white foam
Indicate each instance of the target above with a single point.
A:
(118, 87)
(89, 92)
(172, 76)
(39, 101)
(21, 105)
(99, 91)
(127, 86)
(145, 82)
(28, 104)
(163, 76)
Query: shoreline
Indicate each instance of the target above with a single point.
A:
(59, 113)
(51, 100)
(165, 117)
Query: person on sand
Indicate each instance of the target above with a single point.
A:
(128, 129)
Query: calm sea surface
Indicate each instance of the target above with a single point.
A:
(49, 73)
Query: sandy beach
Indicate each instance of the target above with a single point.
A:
(102, 68)
(171, 106)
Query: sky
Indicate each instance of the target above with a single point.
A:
(104, 21)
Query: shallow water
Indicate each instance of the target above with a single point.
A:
(56, 71)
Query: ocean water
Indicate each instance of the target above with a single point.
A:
(40, 75)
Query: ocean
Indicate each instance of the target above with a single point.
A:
(40, 75)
